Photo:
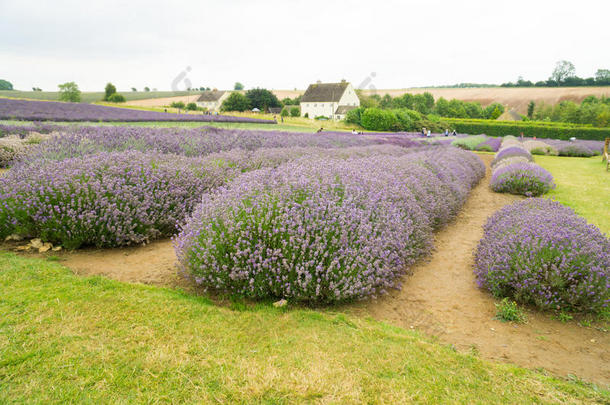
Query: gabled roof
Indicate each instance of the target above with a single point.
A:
(343, 109)
(211, 95)
(324, 92)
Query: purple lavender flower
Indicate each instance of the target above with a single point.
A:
(540, 252)
(522, 178)
(325, 230)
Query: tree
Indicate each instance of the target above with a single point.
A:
(69, 92)
(146, 88)
(177, 104)
(191, 106)
(235, 102)
(295, 112)
(109, 91)
(5, 85)
(285, 112)
(602, 76)
(563, 70)
(238, 86)
(134, 89)
(530, 109)
(262, 99)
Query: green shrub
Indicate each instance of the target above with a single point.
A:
(284, 112)
(538, 151)
(529, 128)
(375, 119)
(191, 106)
(177, 104)
(354, 116)
(116, 98)
(295, 112)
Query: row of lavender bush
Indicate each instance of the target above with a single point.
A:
(325, 230)
(55, 111)
(540, 252)
(513, 171)
(124, 197)
(80, 141)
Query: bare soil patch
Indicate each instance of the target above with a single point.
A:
(439, 297)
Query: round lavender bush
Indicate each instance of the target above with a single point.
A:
(522, 178)
(108, 199)
(511, 151)
(320, 230)
(577, 151)
(540, 252)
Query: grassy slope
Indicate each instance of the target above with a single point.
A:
(582, 184)
(70, 339)
(90, 97)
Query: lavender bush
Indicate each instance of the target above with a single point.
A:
(88, 189)
(540, 252)
(323, 229)
(511, 151)
(490, 145)
(522, 178)
(108, 199)
(55, 111)
(576, 151)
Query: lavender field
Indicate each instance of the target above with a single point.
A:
(56, 111)
(118, 186)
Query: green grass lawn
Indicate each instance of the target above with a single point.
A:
(69, 339)
(582, 184)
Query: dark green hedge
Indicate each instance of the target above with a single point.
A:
(529, 128)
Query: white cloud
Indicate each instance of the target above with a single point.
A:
(288, 44)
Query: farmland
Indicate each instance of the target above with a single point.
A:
(515, 99)
(368, 239)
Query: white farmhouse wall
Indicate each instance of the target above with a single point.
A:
(316, 109)
(349, 97)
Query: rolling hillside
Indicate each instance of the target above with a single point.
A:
(514, 98)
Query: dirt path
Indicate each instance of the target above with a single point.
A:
(441, 298)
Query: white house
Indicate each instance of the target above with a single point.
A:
(212, 99)
(332, 100)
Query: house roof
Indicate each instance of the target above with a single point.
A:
(211, 95)
(343, 109)
(324, 92)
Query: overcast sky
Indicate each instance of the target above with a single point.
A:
(286, 44)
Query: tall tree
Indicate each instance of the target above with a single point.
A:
(563, 70)
(5, 85)
(262, 99)
(238, 86)
(235, 102)
(69, 92)
(109, 91)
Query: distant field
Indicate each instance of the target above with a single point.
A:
(90, 97)
(515, 98)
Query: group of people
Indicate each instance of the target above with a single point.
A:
(428, 133)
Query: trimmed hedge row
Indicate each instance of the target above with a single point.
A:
(530, 129)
